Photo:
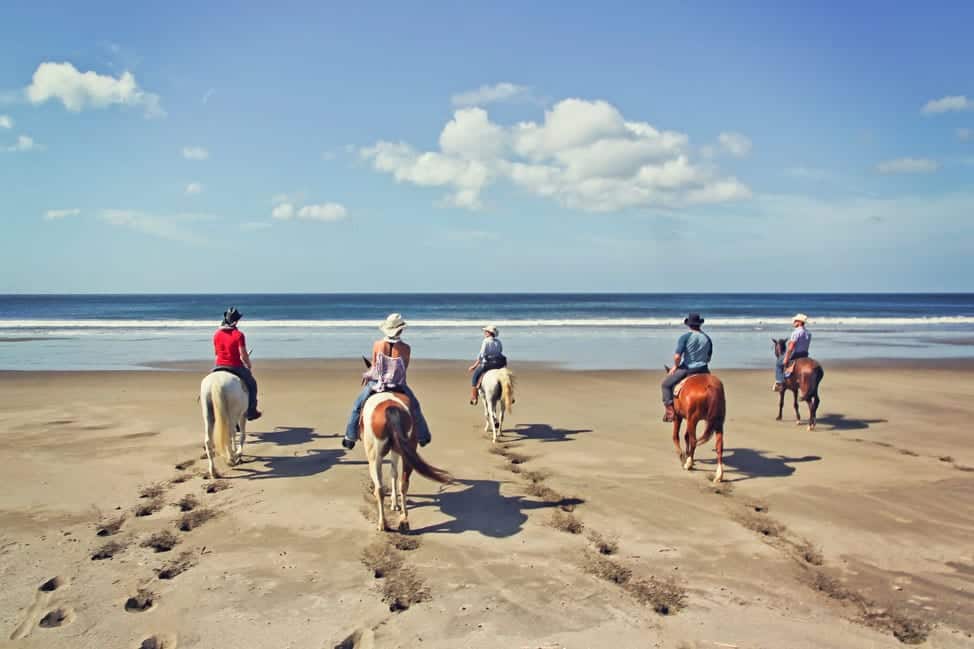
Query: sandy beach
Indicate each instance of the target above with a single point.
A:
(856, 535)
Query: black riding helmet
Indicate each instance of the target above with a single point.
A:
(231, 315)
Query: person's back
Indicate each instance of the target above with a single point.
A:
(696, 348)
(390, 360)
(227, 343)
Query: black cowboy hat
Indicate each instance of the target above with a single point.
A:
(231, 315)
(693, 320)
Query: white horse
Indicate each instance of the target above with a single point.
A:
(224, 402)
(497, 391)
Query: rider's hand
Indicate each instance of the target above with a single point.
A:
(672, 370)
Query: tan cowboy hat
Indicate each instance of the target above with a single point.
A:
(491, 329)
(393, 325)
(800, 317)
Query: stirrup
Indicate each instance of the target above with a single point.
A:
(348, 443)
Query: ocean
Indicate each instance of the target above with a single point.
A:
(69, 332)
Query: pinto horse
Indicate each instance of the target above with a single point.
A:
(386, 428)
(497, 390)
(223, 399)
(700, 396)
(803, 383)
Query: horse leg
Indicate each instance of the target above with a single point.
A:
(208, 442)
(242, 428)
(798, 415)
(394, 482)
(403, 490)
(781, 403)
(812, 410)
(676, 438)
(491, 420)
(691, 439)
(375, 470)
(719, 447)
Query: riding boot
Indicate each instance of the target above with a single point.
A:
(254, 414)
(473, 396)
(669, 414)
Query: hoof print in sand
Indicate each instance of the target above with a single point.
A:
(161, 541)
(361, 639)
(158, 642)
(108, 550)
(215, 486)
(140, 602)
(110, 527)
(177, 566)
(188, 503)
(57, 617)
(191, 520)
(150, 507)
(52, 584)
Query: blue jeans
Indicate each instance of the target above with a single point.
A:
(670, 381)
(779, 365)
(422, 428)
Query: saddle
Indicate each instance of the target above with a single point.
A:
(678, 388)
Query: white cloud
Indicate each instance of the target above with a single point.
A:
(194, 188)
(6, 122)
(965, 134)
(584, 155)
(54, 215)
(283, 211)
(195, 153)
(24, 143)
(169, 228)
(736, 144)
(489, 94)
(326, 212)
(947, 104)
(907, 166)
(78, 90)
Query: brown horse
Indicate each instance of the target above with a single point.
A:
(386, 428)
(803, 383)
(700, 396)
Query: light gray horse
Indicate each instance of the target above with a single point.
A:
(497, 392)
(224, 402)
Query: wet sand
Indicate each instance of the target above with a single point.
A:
(843, 537)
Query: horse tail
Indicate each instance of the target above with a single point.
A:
(812, 379)
(408, 452)
(217, 405)
(716, 409)
(506, 380)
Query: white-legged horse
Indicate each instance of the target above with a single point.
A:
(386, 428)
(224, 402)
(497, 391)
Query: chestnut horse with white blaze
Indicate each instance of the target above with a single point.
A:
(386, 428)
(803, 382)
(700, 397)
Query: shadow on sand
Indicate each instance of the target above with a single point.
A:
(480, 508)
(749, 463)
(545, 433)
(291, 435)
(838, 421)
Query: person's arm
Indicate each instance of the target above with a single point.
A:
(244, 354)
(681, 346)
(480, 356)
(788, 352)
(406, 352)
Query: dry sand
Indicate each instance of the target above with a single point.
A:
(841, 537)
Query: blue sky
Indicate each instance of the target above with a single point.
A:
(676, 146)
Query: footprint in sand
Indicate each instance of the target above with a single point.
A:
(57, 617)
(140, 602)
(360, 639)
(52, 584)
(159, 642)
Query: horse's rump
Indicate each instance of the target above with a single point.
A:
(375, 409)
(705, 390)
(808, 374)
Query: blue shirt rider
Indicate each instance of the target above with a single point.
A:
(691, 356)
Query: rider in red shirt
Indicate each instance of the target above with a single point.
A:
(230, 347)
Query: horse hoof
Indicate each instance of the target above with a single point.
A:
(798, 423)
(778, 418)
(404, 525)
(688, 464)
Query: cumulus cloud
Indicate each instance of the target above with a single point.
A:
(326, 212)
(195, 153)
(736, 144)
(24, 143)
(964, 134)
(79, 90)
(194, 188)
(490, 94)
(584, 155)
(6, 122)
(55, 215)
(907, 166)
(947, 104)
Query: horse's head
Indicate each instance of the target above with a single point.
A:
(780, 345)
